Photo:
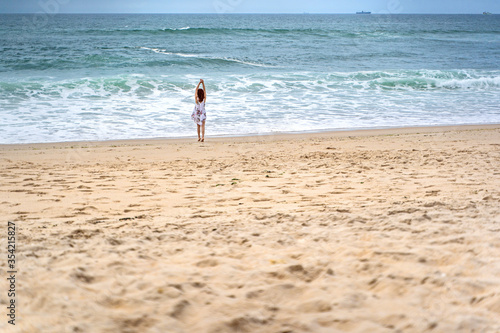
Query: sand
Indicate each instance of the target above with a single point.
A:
(370, 231)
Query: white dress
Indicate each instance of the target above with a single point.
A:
(199, 114)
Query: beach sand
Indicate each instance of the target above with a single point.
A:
(391, 230)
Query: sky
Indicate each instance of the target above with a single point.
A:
(250, 6)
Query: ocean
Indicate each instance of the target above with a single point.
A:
(72, 77)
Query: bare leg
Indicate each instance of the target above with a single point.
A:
(203, 131)
(198, 126)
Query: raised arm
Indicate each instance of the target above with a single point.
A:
(196, 93)
(204, 89)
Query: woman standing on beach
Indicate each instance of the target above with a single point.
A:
(199, 115)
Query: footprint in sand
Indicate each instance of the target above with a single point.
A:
(207, 263)
(315, 306)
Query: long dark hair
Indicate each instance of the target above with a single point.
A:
(201, 95)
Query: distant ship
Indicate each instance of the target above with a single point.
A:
(361, 12)
(486, 13)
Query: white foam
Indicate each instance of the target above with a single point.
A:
(483, 82)
(175, 29)
(200, 56)
(137, 105)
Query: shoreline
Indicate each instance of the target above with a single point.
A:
(257, 137)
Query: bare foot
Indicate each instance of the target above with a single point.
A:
(203, 140)
(199, 139)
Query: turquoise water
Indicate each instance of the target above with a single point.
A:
(99, 77)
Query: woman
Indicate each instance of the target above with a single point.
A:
(199, 115)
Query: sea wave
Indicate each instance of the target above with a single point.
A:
(247, 32)
(319, 32)
(294, 83)
(206, 57)
(100, 108)
(424, 79)
(202, 30)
